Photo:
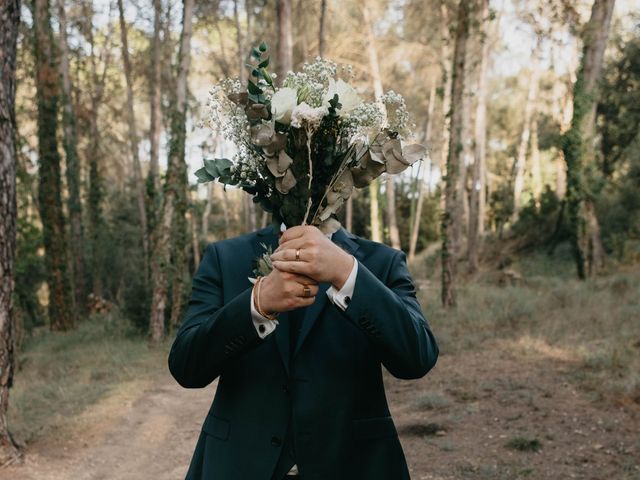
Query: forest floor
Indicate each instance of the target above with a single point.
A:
(537, 379)
(504, 411)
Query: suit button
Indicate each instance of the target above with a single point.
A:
(276, 441)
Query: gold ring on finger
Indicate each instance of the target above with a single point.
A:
(306, 291)
(297, 254)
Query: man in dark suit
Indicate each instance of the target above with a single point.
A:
(298, 358)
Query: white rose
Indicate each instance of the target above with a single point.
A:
(282, 104)
(347, 96)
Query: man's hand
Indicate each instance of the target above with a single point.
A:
(283, 291)
(319, 258)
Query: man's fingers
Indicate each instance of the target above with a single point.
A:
(313, 290)
(286, 254)
(293, 232)
(292, 267)
(303, 279)
(306, 301)
(298, 242)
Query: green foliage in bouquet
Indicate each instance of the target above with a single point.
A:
(304, 147)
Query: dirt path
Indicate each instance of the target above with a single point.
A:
(136, 435)
(456, 423)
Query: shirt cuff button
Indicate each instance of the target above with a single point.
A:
(262, 328)
(347, 300)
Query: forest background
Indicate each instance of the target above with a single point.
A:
(522, 227)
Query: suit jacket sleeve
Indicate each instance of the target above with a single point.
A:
(213, 332)
(392, 318)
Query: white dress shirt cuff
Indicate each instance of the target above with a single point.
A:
(264, 326)
(342, 297)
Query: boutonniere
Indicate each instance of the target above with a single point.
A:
(262, 265)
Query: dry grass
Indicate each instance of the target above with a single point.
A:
(593, 325)
(60, 375)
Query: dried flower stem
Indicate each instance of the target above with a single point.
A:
(310, 201)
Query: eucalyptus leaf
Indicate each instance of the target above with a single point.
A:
(414, 152)
(203, 176)
(253, 88)
(211, 168)
(286, 183)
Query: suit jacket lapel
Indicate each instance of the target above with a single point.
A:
(345, 240)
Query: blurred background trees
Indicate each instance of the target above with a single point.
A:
(105, 161)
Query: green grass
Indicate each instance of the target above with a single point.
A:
(523, 444)
(60, 374)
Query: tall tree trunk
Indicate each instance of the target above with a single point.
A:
(249, 211)
(155, 82)
(452, 214)
(74, 204)
(61, 316)
(415, 227)
(240, 45)
(302, 13)
(376, 79)
(133, 141)
(446, 63)
(578, 143)
(155, 123)
(285, 40)
(529, 106)
(563, 112)
(349, 214)
(248, 6)
(207, 211)
(180, 248)
(96, 194)
(392, 219)
(477, 198)
(176, 170)
(536, 166)
(374, 211)
(9, 25)
(195, 244)
(322, 30)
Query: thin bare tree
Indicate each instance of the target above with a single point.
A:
(285, 39)
(477, 198)
(322, 29)
(70, 141)
(415, 227)
(525, 133)
(376, 80)
(155, 84)
(133, 140)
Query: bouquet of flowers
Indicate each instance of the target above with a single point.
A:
(302, 148)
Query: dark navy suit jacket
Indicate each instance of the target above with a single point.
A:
(335, 398)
